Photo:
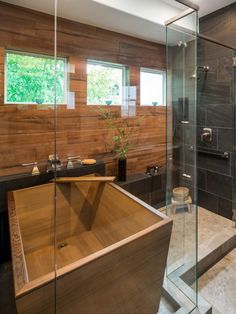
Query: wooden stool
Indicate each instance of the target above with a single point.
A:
(181, 198)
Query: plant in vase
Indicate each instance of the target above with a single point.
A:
(123, 130)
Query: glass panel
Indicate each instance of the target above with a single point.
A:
(27, 128)
(216, 148)
(152, 87)
(181, 151)
(104, 83)
(97, 221)
(234, 135)
(29, 78)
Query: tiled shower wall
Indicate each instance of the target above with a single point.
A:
(216, 106)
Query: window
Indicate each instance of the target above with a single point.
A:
(30, 79)
(152, 87)
(104, 83)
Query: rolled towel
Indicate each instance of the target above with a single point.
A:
(88, 161)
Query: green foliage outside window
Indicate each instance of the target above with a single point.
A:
(31, 79)
(104, 84)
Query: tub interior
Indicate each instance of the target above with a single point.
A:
(89, 217)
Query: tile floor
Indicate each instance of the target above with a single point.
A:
(218, 285)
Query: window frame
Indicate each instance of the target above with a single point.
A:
(163, 74)
(66, 77)
(108, 65)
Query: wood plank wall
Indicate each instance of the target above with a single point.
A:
(27, 131)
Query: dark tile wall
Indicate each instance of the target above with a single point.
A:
(150, 189)
(184, 134)
(216, 110)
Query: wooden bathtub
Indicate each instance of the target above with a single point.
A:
(109, 255)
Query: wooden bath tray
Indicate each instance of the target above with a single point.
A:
(110, 253)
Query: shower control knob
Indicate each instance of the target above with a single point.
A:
(206, 136)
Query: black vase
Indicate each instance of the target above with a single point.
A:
(122, 170)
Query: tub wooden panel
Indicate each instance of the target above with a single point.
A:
(112, 255)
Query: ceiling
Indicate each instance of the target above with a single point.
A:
(209, 6)
(139, 18)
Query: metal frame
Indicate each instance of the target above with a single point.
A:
(191, 8)
(214, 41)
(189, 4)
(179, 16)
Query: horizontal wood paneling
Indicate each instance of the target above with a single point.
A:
(27, 131)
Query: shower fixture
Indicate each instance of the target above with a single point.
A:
(204, 68)
(206, 136)
(182, 43)
(35, 169)
(70, 160)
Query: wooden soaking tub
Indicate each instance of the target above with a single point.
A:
(109, 248)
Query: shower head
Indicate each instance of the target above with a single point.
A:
(182, 43)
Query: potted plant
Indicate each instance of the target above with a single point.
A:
(123, 130)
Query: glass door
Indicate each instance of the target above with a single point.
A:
(181, 200)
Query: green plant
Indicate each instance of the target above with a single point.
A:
(31, 79)
(103, 84)
(123, 130)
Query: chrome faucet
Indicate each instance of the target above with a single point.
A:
(149, 169)
(70, 160)
(35, 169)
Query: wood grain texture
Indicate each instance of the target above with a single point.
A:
(18, 257)
(121, 252)
(85, 179)
(79, 131)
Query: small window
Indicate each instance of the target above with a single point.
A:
(152, 87)
(104, 83)
(30, 79)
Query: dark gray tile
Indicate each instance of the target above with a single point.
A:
(158, 197)
(225, 69)
(226, 139)
(7, 299)
(225, 208)
(233, 162)
(217, 165)
(140, 187)
(201, 115)
(220, 115)
(212, 92)
(156, 183)
(220, 185)
(207, 200)
(201, 179)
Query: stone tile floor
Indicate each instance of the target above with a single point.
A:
(165, 307)
(218, 285)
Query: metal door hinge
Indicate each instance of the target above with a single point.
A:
(234, 61)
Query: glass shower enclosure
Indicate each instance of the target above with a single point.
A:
(181, 194)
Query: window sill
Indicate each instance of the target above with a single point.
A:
(105, 105)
